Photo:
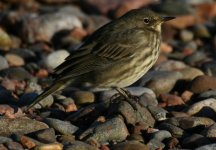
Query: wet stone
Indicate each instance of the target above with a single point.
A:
(207, 147)
(147, 99)
(63, 127)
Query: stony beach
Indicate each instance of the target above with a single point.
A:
(175, 100)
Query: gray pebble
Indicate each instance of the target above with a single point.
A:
(3, 63)
(63, 127)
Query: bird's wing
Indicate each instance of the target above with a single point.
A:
(100, 50)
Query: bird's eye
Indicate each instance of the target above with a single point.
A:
(146, 20)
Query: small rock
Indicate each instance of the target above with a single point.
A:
(3, 63)
(202, 84)
(174, 130)
(170, 65)
(171, 100)
(147, 99)
(210, 132)
(5, 139)
(55, 58)
(45, 135)
(141, 115)
(154, 144)
(188, 123)
(14, 60)
(111, 130)
(52, 146)
(203, 106)
(20, 125)
(78, 145)
(157, 112)
(190, 73)
(83, 97)
(163, 82)
(161, 135)
(5, 40)
(130, 145)
(28, 142)
(186, 96)
(201, 31)
(207, 94)
(63, 127)
(194, 141)
(14, 146)
(195, 58)
(186, 35)
(207, 147)
(17, 73)
(10, 111)
(2, 147)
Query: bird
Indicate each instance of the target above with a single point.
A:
(114, 56)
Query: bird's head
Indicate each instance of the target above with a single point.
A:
(146, 19)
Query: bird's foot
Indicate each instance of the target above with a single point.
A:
(128, 97)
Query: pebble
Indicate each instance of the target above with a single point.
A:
(161, 135)
(2, 147)
(5, 40)
(45, 135)
(55, 58)
(189, 123)
(10, 111)
(63, 127)
(17, 73)
(171, 65)
(130, 145)
(210, 132)
(111, 130)
(209, 68)
(154, 144)
(202, 84)
(5, 139)
(171, 100)
(174, 130)
(83, 97)
(163, 82)
(3, 63)
(52, 146)
(207, 147)
(195, 58)
(147, 99)
(197, 107)
(207, 94)
(190, 73)
(20, 125)
(142, 115)
(157, 112)
(14, 146)
(14, 60)
(186, 35)
(78, 145)
(201, 31)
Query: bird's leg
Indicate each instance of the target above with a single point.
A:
(128, 97)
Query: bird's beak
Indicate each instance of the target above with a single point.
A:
(167, 18)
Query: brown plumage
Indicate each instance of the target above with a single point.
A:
(114, 56)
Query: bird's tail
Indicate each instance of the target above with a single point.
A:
(55, 87)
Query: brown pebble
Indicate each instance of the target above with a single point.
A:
(27, 142)
(186, 96)
(14, 60)
(202, 84)
(171, 100)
